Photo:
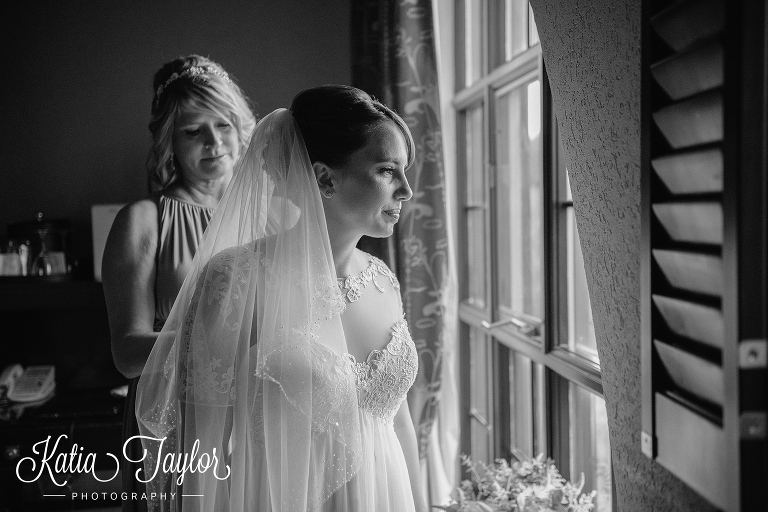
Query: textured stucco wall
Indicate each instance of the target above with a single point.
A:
(592, 53)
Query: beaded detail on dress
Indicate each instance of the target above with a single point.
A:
(353, 283)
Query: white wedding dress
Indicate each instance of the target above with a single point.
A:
(381, 383)
(381, 387)
(290, 379)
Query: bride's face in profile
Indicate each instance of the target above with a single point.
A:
(371, 187)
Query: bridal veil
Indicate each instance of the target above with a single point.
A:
(250, 364)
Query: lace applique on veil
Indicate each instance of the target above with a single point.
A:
(223, 281)
(225, 284)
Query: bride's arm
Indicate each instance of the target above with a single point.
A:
(407, 437)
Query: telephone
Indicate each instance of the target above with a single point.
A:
(30, 385)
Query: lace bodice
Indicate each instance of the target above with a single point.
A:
(381, 382)
(384, 378)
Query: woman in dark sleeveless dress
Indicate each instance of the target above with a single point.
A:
(201, 122)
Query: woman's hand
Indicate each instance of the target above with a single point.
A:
(128, 277)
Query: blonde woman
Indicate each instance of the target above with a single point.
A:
(200, 124)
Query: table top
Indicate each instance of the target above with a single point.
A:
(92, 405)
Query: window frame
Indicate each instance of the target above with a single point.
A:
(568, 364)
(560, 365)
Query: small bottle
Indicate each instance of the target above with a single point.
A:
(23, 251)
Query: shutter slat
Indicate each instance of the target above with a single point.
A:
(684, 23)
(695, 121)
(690, 320)
(693, 172)
(700, 222)
(698, 273)
(692, 71)
(695, 375)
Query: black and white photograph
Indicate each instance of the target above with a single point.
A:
(384, 256)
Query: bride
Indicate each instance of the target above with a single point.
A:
(286, 357)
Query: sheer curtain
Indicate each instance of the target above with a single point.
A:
(442, 459)
(400, 55)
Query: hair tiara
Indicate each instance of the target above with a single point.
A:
(193, 71)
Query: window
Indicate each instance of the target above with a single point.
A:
(532, 379)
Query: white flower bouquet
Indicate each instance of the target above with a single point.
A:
(525, 485)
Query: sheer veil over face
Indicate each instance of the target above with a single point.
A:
(249, 366)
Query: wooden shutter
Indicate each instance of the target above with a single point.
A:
(704, 246)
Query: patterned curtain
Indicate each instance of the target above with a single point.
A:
(394, 58)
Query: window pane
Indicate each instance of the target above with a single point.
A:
(563, 191)
(590, 446)
(509, 35)
(476, 257)
(473, 41)
(526, 405)
(516, 27)
(519, 185)
(540, 411)
(479, 396)
(533, 33)
(475, 206)
(475, 163)
(581, 330)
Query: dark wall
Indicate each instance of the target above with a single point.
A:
(77, 88)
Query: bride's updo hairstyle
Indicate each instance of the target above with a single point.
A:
(337, 120)
(198, 84)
